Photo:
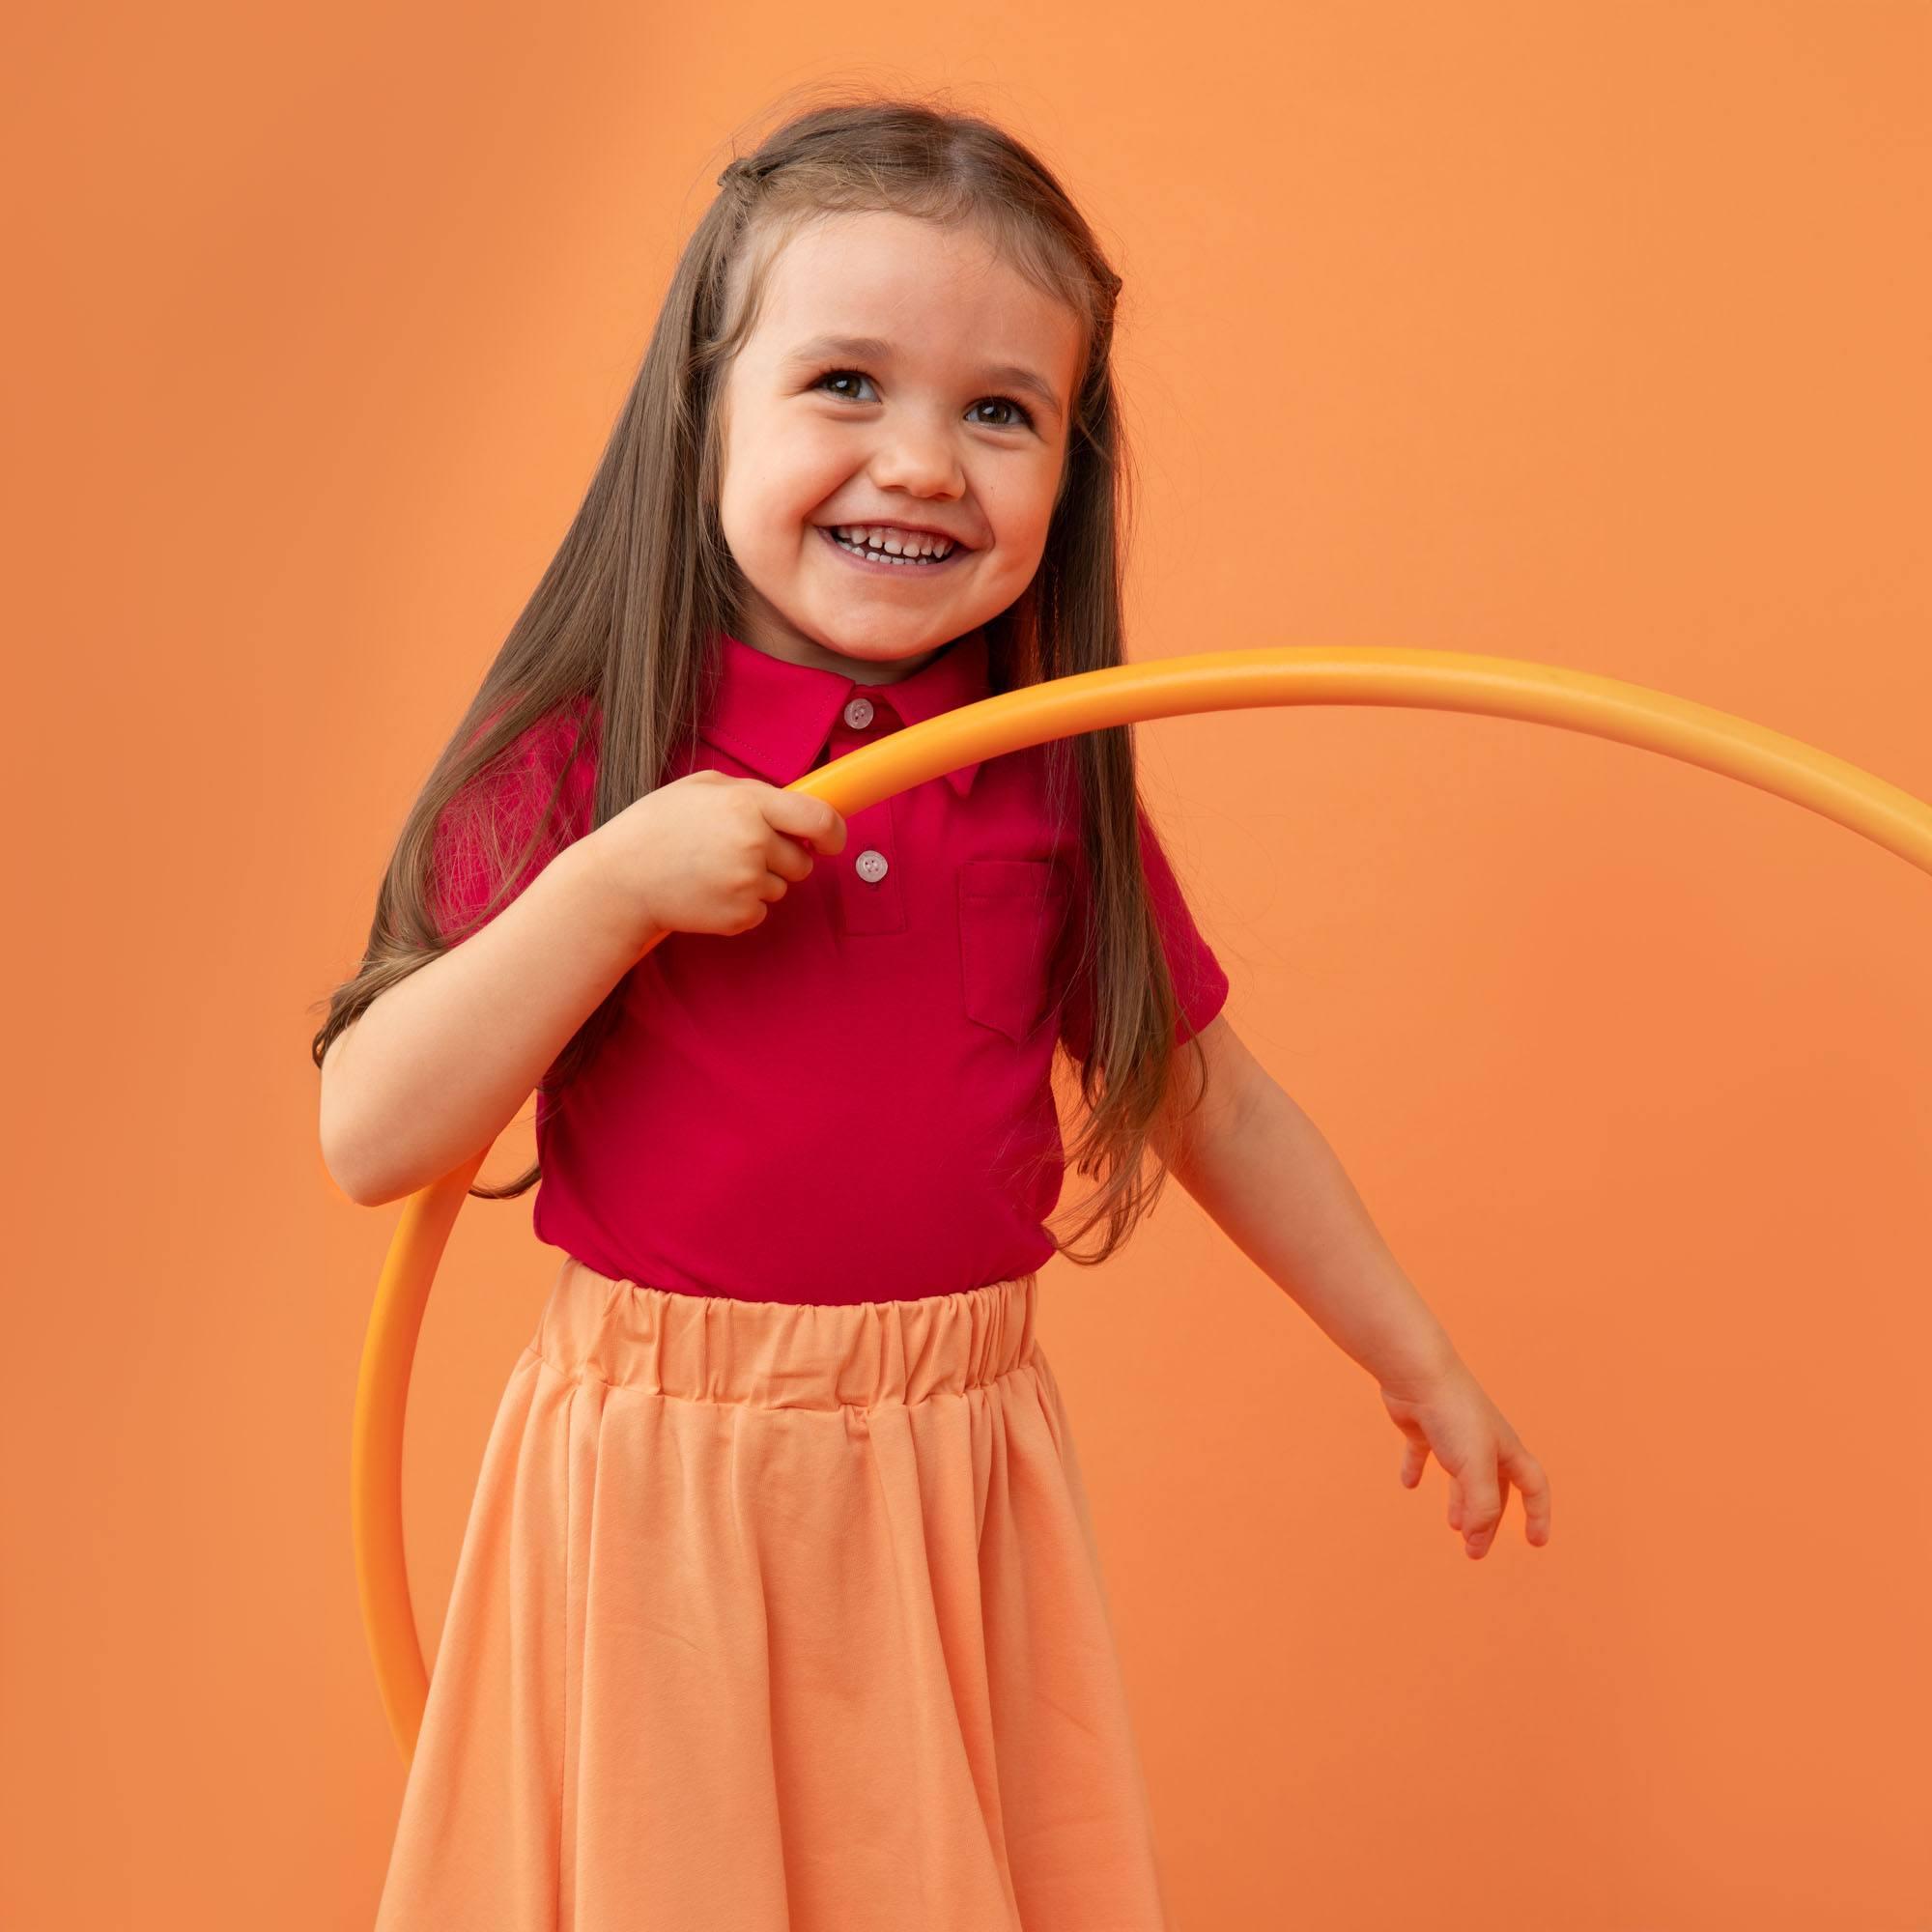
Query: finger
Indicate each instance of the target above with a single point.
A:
(1479, 1509)
(800, 816)
(787, 858)
(1526, 1472)
(1415, 1460)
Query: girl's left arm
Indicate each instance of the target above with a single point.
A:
(1262, 1168)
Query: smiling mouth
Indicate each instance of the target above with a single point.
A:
(870, 558)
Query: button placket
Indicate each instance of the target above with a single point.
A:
(871, 893)
(871, 896)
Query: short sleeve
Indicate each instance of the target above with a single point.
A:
(508, 803)
(1200, 984)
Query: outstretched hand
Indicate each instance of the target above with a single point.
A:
(1449, 1414)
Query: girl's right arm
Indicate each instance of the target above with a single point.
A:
(438, 1065)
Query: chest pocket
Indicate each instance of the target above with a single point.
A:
(1010, 914)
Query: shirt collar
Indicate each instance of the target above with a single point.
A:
(776, 717)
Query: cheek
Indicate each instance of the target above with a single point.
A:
(762, 504)
(788, 483)
(808, 468)
(1023, 509)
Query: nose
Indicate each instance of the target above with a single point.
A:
(919, 458)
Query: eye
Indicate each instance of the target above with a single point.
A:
(819, 382)
(1025, 414)
(859, 375)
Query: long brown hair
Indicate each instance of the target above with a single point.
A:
(642, 581)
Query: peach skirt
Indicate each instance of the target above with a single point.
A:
(777, 1618)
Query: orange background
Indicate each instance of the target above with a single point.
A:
(1593, 335)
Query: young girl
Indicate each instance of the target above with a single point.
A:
(779, 1604)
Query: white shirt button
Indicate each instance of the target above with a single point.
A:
(871, 866)
(859, 713)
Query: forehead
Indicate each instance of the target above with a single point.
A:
(927, 288)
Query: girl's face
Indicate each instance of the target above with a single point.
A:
(943, 407)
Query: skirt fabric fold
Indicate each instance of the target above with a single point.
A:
(776, 1617)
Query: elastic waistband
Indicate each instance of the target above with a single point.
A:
(780, 1354)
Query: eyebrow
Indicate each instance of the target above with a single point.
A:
(873, 349)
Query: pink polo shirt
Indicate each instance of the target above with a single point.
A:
(849, 1102)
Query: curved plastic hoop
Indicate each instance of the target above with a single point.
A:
(1539, 694)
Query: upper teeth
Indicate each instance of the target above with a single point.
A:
(892, 540)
